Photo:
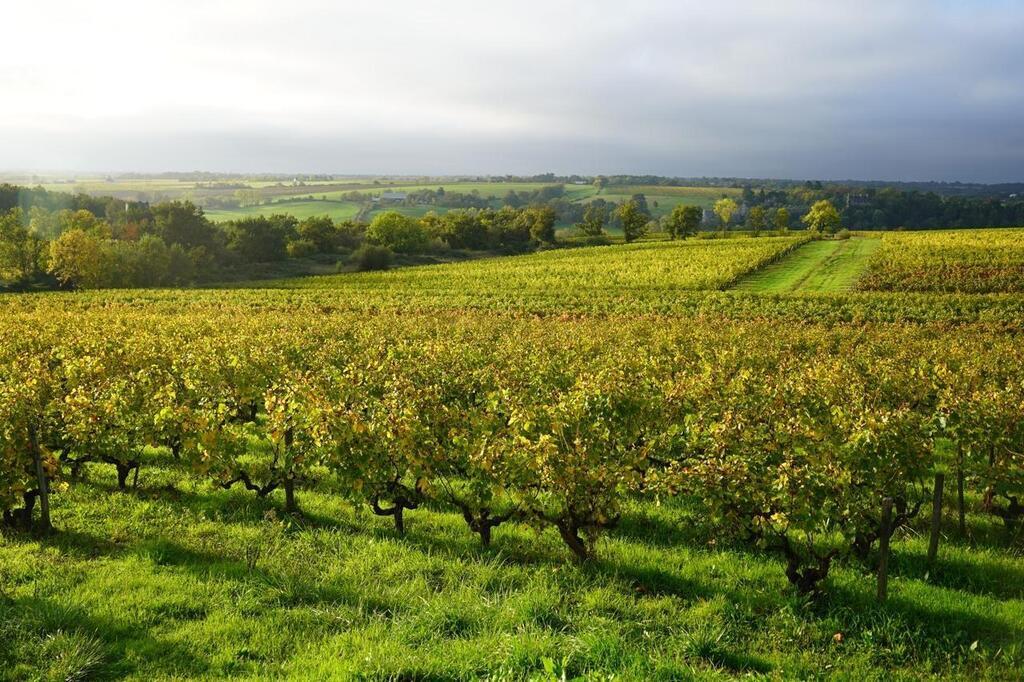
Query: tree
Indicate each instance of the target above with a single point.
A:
(85, 221)
(261, 239)
(21, 252)
(634, 221)
(79, 259)
(505, 226)
(683, 221)
(595, 217)
(463, 229)
(757, 220)
(641, 203)
(600, 182)
(725, 208)
(781, 219)
(182, 222)
(540, 221)
(398, 232)
(822, 216)
(320, 231)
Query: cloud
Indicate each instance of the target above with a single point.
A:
(916, 89)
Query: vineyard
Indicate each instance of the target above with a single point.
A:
(608, 271)
(980, 261)
(580, 463)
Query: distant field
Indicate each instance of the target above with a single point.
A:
(661, 200)
(337, 210)
(484, 189)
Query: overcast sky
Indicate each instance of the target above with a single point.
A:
(905, 89)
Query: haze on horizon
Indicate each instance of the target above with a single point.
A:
(914, 90)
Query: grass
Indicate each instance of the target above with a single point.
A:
(337, 210)
(179, 581)
(818, 266)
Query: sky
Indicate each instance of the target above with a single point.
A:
(837, 89)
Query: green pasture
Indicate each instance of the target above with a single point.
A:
(337, 210)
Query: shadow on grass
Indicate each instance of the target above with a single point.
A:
(938, 627)
(121, 642)
(999, 580)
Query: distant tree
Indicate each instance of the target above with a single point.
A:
(540, 221)
(398, 232)
(781, 219)
(182, 222)
(505, 227)
(683, 221)
(634, 221)
(151, 260)
(181, 266)
(79, 259)
(641, 203)
(595, 217)
(463, 229)
(261, 239)
(350, 234)
(600, 182)
(822, 217)
(21, 252)
(320, 231)
(725, 208)
(757, 220)
(44, 224)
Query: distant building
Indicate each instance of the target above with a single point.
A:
(855, 200)
(391, 197)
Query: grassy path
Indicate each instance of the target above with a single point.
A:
(816, 266)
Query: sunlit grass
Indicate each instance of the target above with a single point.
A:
(178, 580)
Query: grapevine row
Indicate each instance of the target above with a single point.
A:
(787, 436)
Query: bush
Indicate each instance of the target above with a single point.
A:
(371, 257)
(843, 234)
(299, 248)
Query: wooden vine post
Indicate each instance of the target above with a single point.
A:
(960, 490)
(883, 550)
(933, 541)
(41, 482)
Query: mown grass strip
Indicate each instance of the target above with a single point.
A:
(821, 266)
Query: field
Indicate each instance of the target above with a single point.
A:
(336, 210)
(656, 269)
(973, 261)
(332, 198)
(676, 437)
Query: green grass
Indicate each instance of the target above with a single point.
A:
(178, 580)
(818, 266)
(337, 210)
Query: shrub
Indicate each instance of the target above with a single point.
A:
(843, 234)
(299, 248)
(371, 257)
